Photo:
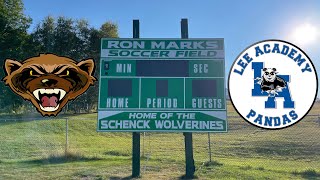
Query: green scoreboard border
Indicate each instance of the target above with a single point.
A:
(146, 110)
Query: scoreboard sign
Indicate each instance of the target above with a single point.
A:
(165, 85)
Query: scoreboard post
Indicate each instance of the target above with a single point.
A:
(136, 135)
(188, 145)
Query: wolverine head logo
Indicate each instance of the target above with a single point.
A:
(49, 81)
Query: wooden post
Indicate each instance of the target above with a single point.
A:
(136, 135)
(190, 168)
(209, 145)
(67, 138)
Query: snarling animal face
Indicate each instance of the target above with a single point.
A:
(49, 81)
(270, 74)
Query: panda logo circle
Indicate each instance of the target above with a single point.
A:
(273, 84)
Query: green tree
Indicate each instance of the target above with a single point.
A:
(13, 41)
(13, 29)
(65, 38)
(109, 30)
(43, 36)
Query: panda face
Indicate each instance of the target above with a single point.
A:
(269, 74)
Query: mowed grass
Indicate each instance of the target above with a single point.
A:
(37, 150)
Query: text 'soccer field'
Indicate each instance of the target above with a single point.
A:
(168, 85)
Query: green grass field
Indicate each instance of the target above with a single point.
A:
(36, 150)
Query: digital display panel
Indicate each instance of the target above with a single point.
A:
(120, 87)
(162, 88)
(204, 88)
(162, 68)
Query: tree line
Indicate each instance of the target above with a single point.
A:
(74, 38)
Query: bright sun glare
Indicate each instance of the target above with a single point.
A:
(305, 34)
